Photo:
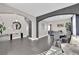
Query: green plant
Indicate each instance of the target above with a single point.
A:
(68, 26)
(2, 28)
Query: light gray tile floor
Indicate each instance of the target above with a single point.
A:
(24, 46)
(28, 47)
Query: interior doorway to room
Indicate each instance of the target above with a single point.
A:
(61, 25)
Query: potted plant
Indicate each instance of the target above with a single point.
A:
(69, 30)
(2, 28)
(68, 26)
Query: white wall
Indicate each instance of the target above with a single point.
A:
(54, 25)
(43, 28)
(8, 19)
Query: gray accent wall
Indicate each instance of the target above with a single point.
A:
(77, 24)
(30, 29)
(37, 27)
(72, 26)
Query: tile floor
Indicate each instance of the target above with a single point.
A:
(26, 46)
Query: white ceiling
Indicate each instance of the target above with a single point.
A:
(37, 9)
(60, 17)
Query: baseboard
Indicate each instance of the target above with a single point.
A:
(33, 38)
(37, 38)
(43, 36)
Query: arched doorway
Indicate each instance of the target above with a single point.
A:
(59, 23)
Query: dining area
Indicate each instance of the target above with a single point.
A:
(60, 36)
